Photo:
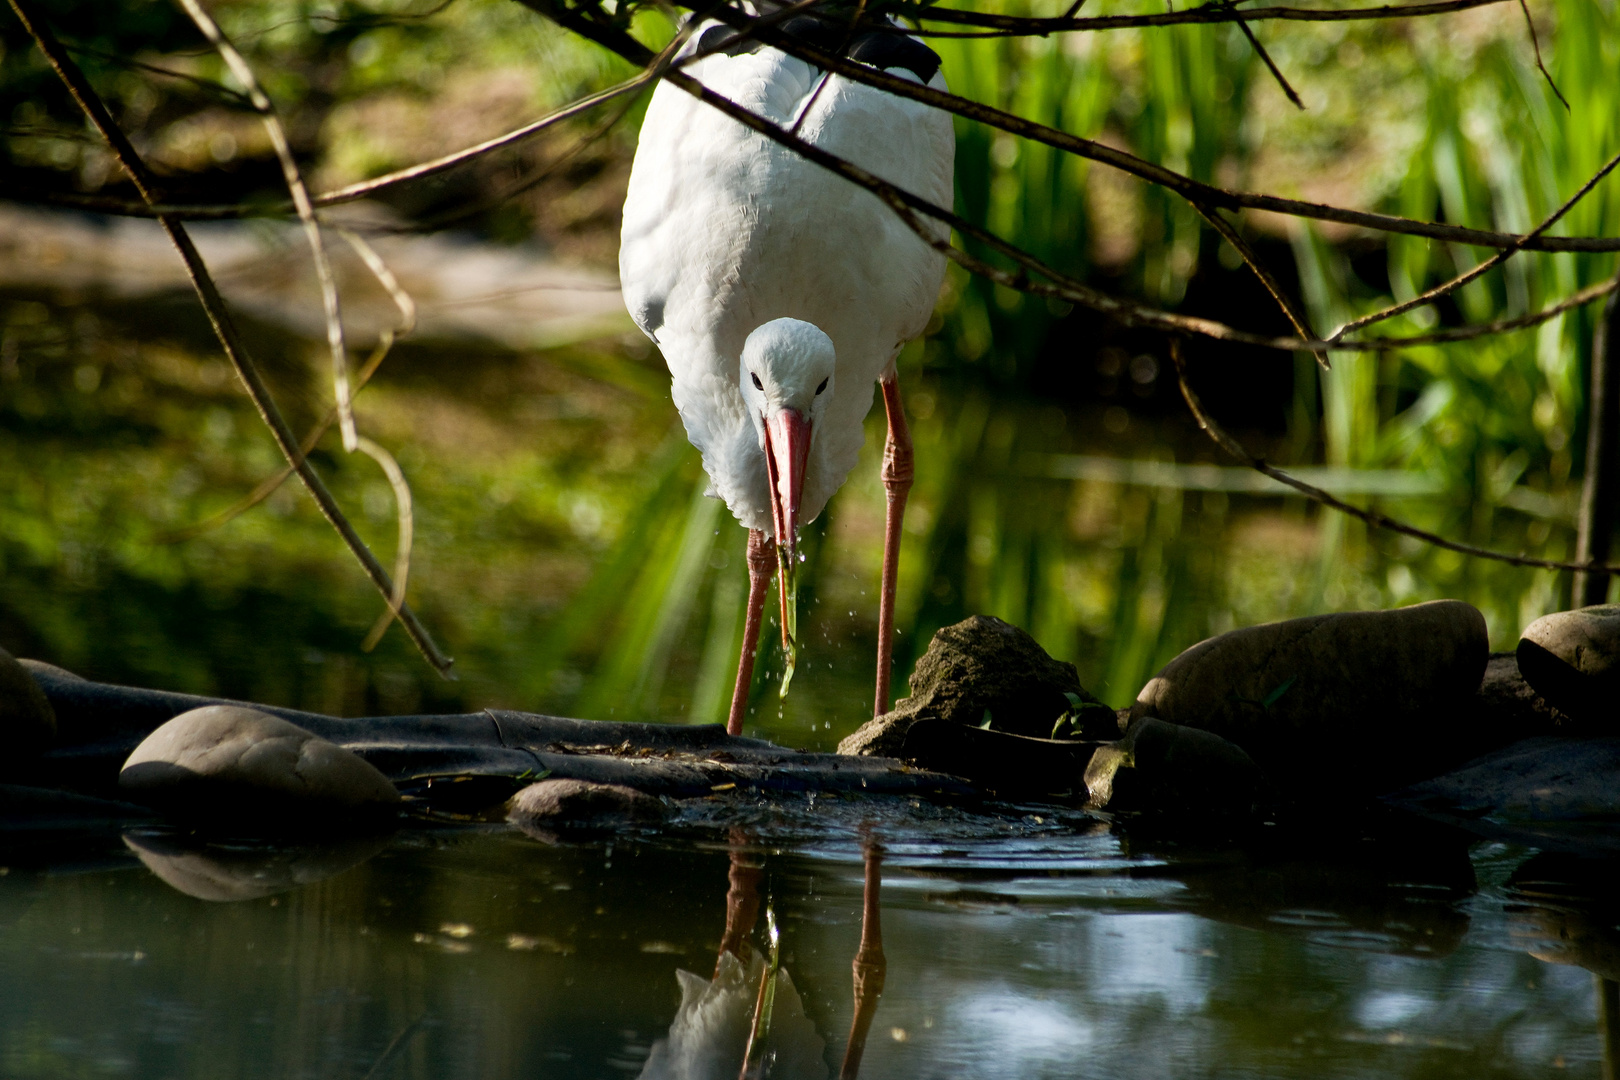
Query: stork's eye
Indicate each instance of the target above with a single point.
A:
(822, 387)
(757, 384)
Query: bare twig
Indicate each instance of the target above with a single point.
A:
(1290, 308)
(617, 41)
(268, 486)
(1535, 43)
(405, 516)
(1372, 517)
(1271, 65)
(235, 97)
(1489, 264)
(1466, 333)
(905, 205)
(1193, 190)
(385, 277)
(219, 317)
(306, 213)
(385, 342)
(1207, 13)
(338, 196)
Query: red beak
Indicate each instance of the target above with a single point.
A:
(787, 450)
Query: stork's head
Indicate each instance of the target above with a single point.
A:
(786, 380)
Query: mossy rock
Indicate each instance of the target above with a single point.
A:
(984, 671)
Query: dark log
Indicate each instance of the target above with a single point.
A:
(99, 725)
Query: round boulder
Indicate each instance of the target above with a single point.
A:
(1572, 659)
(548, 808)
(1354, 703)
(27, 721)
(239, 764)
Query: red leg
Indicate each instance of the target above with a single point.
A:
(761, 568)
(871, 967)
(897, 474)
(742, 900)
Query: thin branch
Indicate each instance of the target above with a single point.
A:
(627, 47)
(219, 317)
(234, 96)
(1226, 442)
(906, 205)
(1271, 65)
(1466, 333)
(406, 517)
(270, 484)
(385, 342)
(1535, 43)
(1208, 13)
(1489, 264)
(1290, 308)
(1193, 190)
(350, 193)
(306, 213)
(385, 277)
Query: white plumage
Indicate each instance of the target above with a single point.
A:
(725, 231)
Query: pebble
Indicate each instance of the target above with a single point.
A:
(548, 807)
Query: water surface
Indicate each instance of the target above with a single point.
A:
(1035, 943)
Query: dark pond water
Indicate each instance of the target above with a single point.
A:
(1025, 945)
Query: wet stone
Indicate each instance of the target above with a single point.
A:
(984, 669)
(549, 807)
(27, 721)
(1572, 658)
(241, 765)
(1169, 768)
(1352, 703)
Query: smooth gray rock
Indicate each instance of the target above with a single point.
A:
(27, 721)
(240, 763)
(1353, 703)
(1572, 658)
(981, 665)
(548, 808)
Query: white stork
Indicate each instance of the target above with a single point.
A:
(779, 292)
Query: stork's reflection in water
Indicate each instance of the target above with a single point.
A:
(748, 1020)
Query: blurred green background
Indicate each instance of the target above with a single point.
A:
(565, 554)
